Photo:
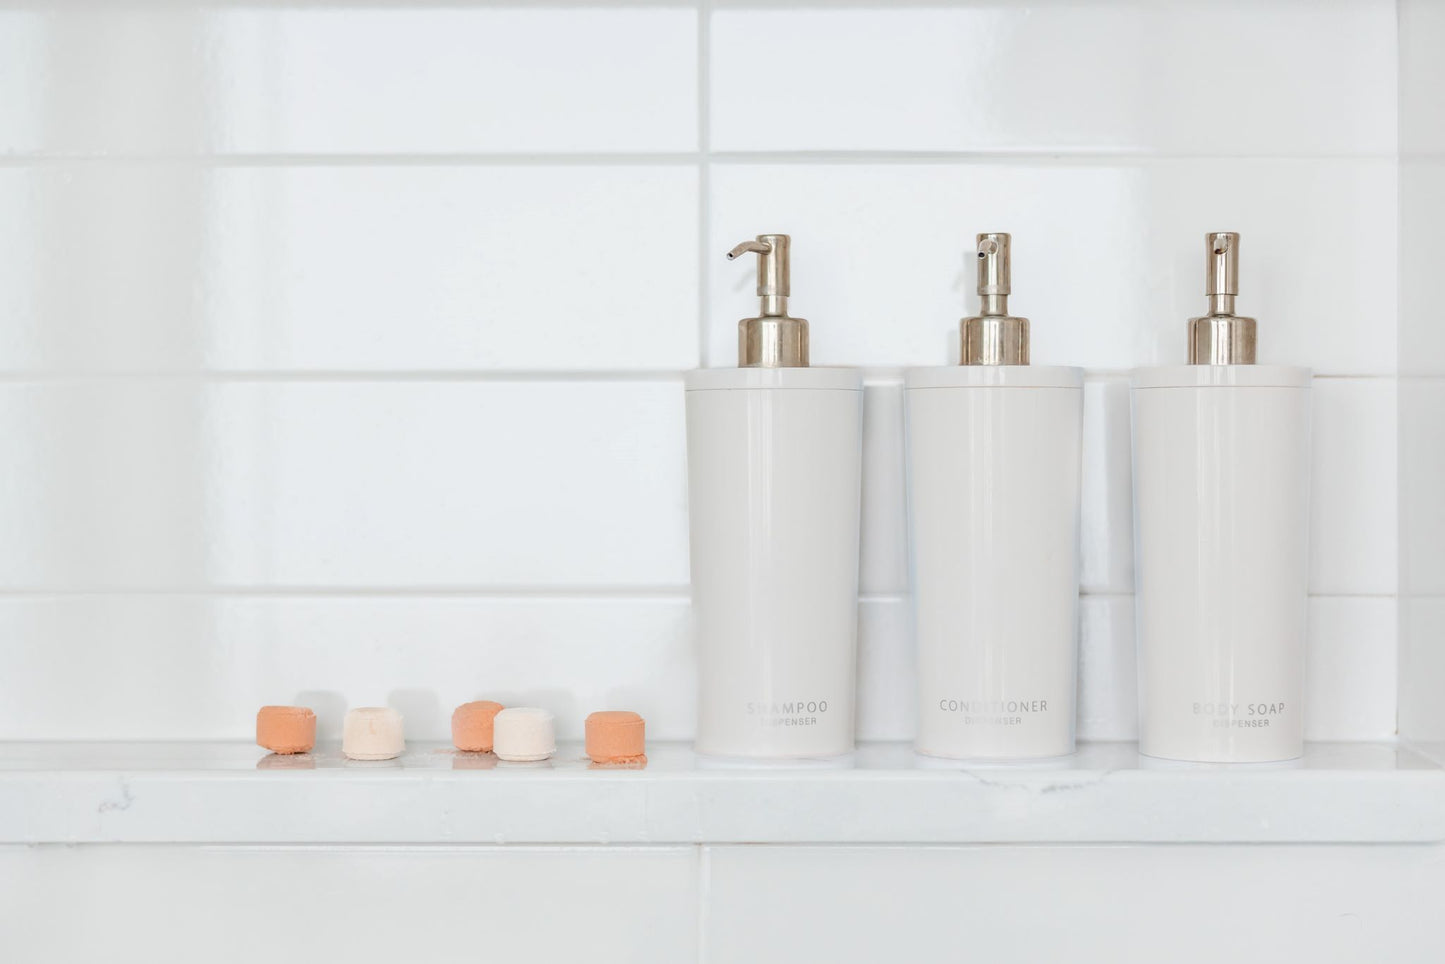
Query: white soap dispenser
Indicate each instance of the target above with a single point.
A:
(1221, 503)
(774, 458)
(993, 490)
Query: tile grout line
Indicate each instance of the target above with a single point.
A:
(874, 376)
(560, 593)
(704, 898)
(322, 376)
(1042, 157)
(638, 593)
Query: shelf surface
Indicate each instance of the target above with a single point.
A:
(884, 793)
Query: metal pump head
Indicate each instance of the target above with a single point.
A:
(1221, 337)
(994, 337)
(774, 339)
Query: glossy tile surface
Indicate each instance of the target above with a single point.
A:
(1107, 491)
(360, 904)
(1422, 246)
(175, 484)
(1124, 904)
(1108, 684)
(1422, 78)
(314, 78)
(369, 268)
(1353, 538)
(883, 537)
(1350, 678)
(1422, 661)
(1422, 480)
(1422, 365)
(1076, 77)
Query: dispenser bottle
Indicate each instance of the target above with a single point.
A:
(774, 452)
(1221, 502)
(993, 486)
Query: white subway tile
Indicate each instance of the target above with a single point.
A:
(1107, 257)
(176, 483)
(1422, 485)
(1422, 76)
(887, 670)
(1422, 666)
(1108, 674)
(1421, 252)
(1353, 520)
(109, 267)
(363, 905)
(1350, 683)
(883, 566)
(1055, 903)
(106, 78)
(351, 80)
(350, 268)
(1107, 517)
(21, 53)
(197, 667)
(1221, 78)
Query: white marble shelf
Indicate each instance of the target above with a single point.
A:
(236, 793)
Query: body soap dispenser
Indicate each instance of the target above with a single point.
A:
(993, 488)
(774, 459)
(1221, 502)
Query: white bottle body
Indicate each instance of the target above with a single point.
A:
(774, 473)
(993, 482)
(1221, 502)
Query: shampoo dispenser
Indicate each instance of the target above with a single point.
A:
(1221, 503)
(993, 490)
(774, 459)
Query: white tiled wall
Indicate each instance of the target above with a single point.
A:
(1422, 373)
(724, 904)
(1070, 903)
(1187, 79)
(137, 905)
(340, 346)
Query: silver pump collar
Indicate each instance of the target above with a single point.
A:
(994, 337)
(773, 339)
(1221, 337)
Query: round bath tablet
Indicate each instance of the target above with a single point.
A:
(372, 733)
(472, 725)
(286, 729)
(615, 736)
(522, 734)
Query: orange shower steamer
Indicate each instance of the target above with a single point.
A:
(286, 729)
(472, 725)
(615, 736)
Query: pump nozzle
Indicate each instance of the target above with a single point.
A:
(994, 337)
(773, 339)
(1221, 337)
(755, 247)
